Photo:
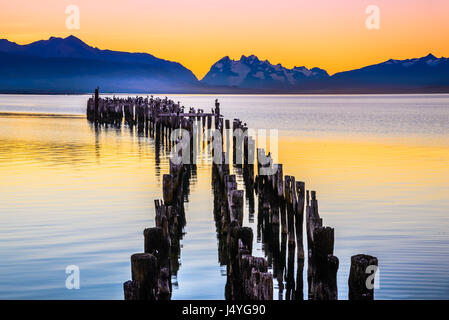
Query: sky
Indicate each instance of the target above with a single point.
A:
(328, 34)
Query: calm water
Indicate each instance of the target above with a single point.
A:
(71, 195)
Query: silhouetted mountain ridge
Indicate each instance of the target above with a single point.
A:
(68, 65)
(427, 73)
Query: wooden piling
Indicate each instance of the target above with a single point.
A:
(360, 288)
(282, 204)
(144, 271)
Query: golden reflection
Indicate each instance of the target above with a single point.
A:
(335, 165)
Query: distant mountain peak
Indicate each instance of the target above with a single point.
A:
(72, 37)
(57, 65)
(6, 41)
(224, 59)
(249, 59)
(251, 72)
(70, 56)
(429, 59)
(68, 40)
(8, 46)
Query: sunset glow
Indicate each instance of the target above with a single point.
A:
(325, 33)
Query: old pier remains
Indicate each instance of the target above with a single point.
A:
(281, 202)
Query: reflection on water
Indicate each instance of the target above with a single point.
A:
(74, 194)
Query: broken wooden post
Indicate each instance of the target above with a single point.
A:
(299, 218)
(144, 272)
(299, 290)
(324, 266)
(246, 235)
(96, 104)
(290, 278)
(257, 281)
(153, 241)
(281, 203)
(361, 277)
(131, 289)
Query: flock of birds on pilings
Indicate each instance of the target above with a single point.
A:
(282, 202)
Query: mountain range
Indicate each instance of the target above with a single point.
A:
(250, 72)
(68, 65)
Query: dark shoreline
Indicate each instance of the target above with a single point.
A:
(444, 90)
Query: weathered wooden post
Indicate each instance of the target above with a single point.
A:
(361, 277)
(153, 241)
(257, 281)
(144, 283)
(299, 218)
(96, 104)
(209, 122)
(131, 290)
(290, 279)
(299, 290)
(324, 266)
(281, 203)
(217, 113)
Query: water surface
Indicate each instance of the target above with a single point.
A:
(71, 194)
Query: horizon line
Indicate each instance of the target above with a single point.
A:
(141, 52)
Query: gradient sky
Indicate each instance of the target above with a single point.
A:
(328, 34)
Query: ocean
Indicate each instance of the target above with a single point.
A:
(72, 194)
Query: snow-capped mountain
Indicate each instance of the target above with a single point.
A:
(68, 65)
(250, 72)
(429, 60)
(425, 74)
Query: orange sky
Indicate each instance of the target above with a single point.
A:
(316, 33)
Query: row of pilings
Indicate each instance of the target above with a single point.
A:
(147, 114)
(247, 276)
(152, 270)
(281, 204)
